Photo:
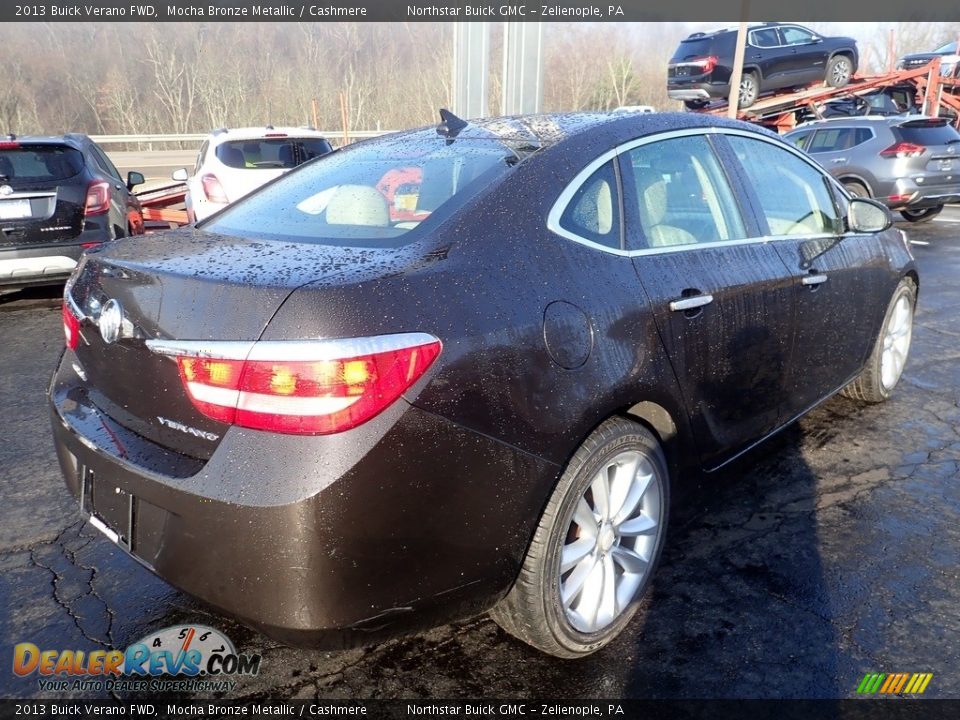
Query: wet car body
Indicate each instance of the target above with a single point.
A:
(424, 512)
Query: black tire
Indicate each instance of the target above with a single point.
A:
(857, 189)
(533, 610)
(839, 71)
(749, 89)
(869, 386)
(919, 216)
(695, 104)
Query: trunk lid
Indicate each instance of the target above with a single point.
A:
(191, 285)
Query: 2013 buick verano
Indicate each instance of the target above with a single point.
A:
(462, 368)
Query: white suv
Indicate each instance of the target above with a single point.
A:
(233, 163)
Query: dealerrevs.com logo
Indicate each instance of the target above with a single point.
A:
(178, 658)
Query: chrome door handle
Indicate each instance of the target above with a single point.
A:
(814, 279)
(838, 160)
(691, 303)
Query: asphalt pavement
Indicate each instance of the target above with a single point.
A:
(828, 553)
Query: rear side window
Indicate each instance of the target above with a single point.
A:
(765, 38)
(40, 163)
(104, 162)
(271, 152)
(926, 132)
(793, 194)
(369, 195)
(680, 194)
(201, 156)
(593, 212)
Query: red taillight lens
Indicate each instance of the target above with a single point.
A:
(903, 150)
(71, 327)
(308, 397)
(706, 64)
(98, 198)
(213, 189)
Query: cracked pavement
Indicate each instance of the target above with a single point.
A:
(831, 551)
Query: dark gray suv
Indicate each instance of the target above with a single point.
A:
(909, 163)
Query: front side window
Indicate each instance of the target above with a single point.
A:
(831, 140)
(793, 194)
(371, 194)
(799, 139)
(680, 194)
(593, 212)
(796, 36)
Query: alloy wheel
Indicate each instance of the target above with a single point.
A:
(896, 342)
(748, 90)
(611, 541)
(840, 73)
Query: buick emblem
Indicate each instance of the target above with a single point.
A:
(6, 190)
(111, 321)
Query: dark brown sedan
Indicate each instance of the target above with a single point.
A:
(462, 369)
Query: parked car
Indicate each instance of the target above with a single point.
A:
(892, 100)
(777, 55)
(58, 195)
(233, 163)
(338, 427)
(916, 60)
(909, 163)
(635, 109)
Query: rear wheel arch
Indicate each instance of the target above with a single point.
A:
(660, 422)
(851, 178)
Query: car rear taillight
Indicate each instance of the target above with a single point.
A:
(9, 145)
(98, 198)
(903, 150)
(213, 189)
(71, 327)
(706, 64)
(307, 387)
(275, 135)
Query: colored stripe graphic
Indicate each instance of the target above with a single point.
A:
(894, 683)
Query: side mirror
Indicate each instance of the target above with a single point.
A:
(180, 175)
(867, 216)
(135, 178)
(816, 39)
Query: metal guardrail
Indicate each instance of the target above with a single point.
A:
(200, 137)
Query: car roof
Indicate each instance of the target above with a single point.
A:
(886, 120)
(547, 129)
(75, 140)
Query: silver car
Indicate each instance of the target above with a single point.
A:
(909, 163)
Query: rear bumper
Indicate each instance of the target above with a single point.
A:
(404, 522)
(697, 90)
(47, 264)
(919, 195)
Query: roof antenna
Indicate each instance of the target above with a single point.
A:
(450, 125)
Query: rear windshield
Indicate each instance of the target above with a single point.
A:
(284, 153)
(948, 48)
(700, 47)
(39, 163)
(927, 133)
(369, 195)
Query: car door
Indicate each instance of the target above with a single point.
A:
(722, 301)
(836, 149)
(832, 274)
(765, 52)
(806, 58)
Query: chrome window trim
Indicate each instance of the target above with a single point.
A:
(290, 350)
(560, 205)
